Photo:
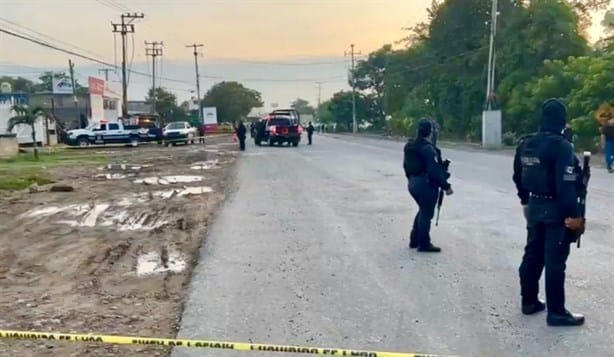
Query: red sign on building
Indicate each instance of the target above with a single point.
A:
(96, 85)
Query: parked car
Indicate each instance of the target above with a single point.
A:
(107, 133)
(179, 131)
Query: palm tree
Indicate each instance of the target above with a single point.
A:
(27, 116)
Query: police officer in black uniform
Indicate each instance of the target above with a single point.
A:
(545, 174)
(310, 130)
(424, 187)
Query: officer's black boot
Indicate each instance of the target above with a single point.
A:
(413, 242)
(430, 248)
(530, 309)
(565, 319)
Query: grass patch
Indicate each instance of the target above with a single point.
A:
(51, 159)
(23, 170)
(20, 182)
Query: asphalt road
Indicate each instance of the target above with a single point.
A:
(312, 250)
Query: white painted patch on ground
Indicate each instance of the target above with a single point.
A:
(92, 216)
(167, 180)
(52, 210)
(204, 165)
(115, 176)
(125, 167)
(151, 263)
(119, 214)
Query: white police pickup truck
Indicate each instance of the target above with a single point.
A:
(107, 133)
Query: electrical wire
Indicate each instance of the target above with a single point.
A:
(131, 71)
(110, 5)
(273, 63)
(131, 60)
(161, 71)
(22, 27)
(115, 49)
(120, 5)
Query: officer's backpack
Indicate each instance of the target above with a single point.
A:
(413, 164)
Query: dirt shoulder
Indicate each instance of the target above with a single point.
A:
(113, 256)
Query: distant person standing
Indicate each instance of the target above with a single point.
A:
(310, 130)
(608, 134)
(201, 134)
(241, 134)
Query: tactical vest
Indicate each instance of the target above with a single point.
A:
(538, 174)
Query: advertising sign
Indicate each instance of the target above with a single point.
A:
(62, 86)
(209, 115)
(96, 85)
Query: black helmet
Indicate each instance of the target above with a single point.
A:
(425, 127)
(554, 116)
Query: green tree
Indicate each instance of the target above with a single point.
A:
(166, 105)
(18, 84)
(584, 83)
(232, 100)
(28, 116)
(370, 78)
(338, 110)
(302, 106)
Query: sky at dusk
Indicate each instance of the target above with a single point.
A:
(279, 47)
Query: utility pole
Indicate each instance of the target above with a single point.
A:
(124, 28)
(106, 73)
(490, 85)
(71, 68)
(153, 49)
(200, 106)
(352, 53)
(319, 85)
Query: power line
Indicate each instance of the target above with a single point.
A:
(113, 6)
(46, 44)
(144, 74)
(274, 63)
(20, 26)
(280, 80)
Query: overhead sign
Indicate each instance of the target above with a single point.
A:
(209, 115)
(62, 86)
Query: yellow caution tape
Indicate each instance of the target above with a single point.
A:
(237, 346)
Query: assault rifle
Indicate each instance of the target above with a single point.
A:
(446, 167)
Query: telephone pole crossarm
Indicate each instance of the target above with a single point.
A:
(124, 28)
(153, 50)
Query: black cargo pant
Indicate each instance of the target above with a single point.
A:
(309, 136)
(425, 195)
(547, 246)
(241, 143)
